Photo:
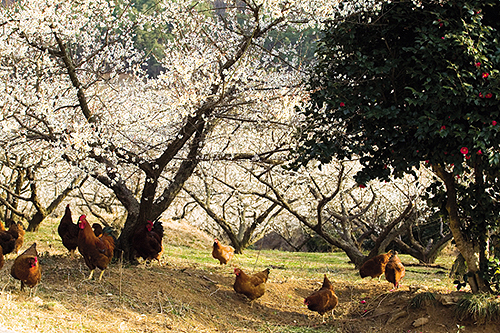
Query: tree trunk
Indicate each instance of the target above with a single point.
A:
(123, 246)
(468, 250)
(34, 223)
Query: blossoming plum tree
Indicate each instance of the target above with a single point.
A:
(73, 87)
(416, 84)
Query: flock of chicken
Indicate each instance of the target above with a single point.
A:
(97, 244)
(322, 300)
(25, 267)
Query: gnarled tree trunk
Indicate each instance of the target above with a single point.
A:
(468, 249)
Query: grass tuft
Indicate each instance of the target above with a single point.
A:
(482, 308)
(420, 299)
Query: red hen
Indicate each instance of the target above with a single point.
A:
(26, 268)
(375, 266)
(223, 253)
(394, 270)
(323, 300)
(252, 286)
(97, 251)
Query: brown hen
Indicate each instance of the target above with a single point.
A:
(323, 300)
(26, 268)
(252, 286)
(97, 251)
(11, 240)
(375, 266)
(394, 270)
(223, 253)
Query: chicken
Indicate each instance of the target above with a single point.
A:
(253, 286)
(26, 268)
(97, 229)
(375, 266)
(322, 300)
(11, 240)
(19, 229)
(96, 251)
(223, 253)
(394, 270)
(147, 241)
(68, 231)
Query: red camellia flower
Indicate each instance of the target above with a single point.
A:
(494, 122)
(481, 95)
(488, 95)
(485, 75)
(464, 150)
(342, 104)
(478, 64)
(479, 152)
(443, 128)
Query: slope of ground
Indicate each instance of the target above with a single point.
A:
(190, 292)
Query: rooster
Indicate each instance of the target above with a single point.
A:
(253, 286)
(97, 251)
(223, 253)
(375, 266)
(68, 231)
(322, 300)
(26, 268)
(147, 241)
(394, 270)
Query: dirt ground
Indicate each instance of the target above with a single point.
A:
(189, 297)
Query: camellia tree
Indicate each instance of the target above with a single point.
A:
(413, 84)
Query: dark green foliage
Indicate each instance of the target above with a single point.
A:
(412, 85)
(401, 86)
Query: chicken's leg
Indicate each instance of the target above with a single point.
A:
(91, 275)
(100, 276)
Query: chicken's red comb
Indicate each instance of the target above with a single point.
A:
(83, 217)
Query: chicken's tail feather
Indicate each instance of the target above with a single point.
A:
(158, 227)
(110, 231)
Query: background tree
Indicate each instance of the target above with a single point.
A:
(412, 84)
(331, 204)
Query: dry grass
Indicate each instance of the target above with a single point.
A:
(191, 292)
